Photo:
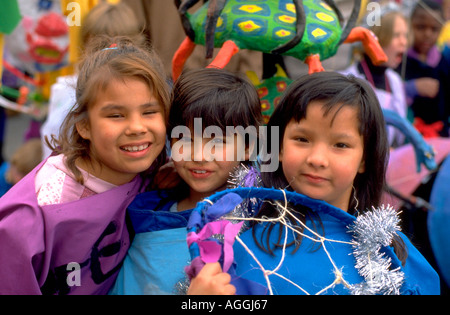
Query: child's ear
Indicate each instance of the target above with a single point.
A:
(83, 129)
(362, 167)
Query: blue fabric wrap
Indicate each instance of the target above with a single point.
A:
(415, 267)
(158, 254)
(439, 219)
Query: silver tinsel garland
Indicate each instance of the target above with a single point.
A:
(373, 230)
(244, 176)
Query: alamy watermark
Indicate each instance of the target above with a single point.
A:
(74, 14)
(188, 143)
(373, 17)
(74, 276)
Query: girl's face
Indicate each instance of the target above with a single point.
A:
(321, 155)
(205, 163)
(426, 30)
(397, 46)
(126, 130)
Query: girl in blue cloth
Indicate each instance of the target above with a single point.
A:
(333, 148)
(213, 124)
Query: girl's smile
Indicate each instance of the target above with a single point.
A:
(205, 172)
(314, 179)
(200, 173)
(126, 131)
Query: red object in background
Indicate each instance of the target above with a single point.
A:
(43, 47)
(51, 25)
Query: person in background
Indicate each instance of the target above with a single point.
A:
(103, 19)
(392, 33)
(427, 72)
(24, 159)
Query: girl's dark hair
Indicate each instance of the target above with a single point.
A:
(427, 5)
(220, 98)
(334, 90)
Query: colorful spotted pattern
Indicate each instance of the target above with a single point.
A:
(263, 25)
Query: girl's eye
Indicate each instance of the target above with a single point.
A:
(342, 145)
(218, 140)
(149, 112)
(115, 115)
(301, 139)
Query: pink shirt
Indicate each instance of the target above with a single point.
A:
(55, 185)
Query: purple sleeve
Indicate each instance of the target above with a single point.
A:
(21, 245)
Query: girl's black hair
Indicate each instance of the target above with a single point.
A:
(334, 90)
(220, 98)
(425, 5)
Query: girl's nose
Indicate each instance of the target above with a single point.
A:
(318, 156)
(198, 150)
(136, 126)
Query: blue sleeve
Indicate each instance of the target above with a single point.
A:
(420, 277)
(141, 210)
(410, 88)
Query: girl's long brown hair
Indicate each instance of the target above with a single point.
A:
(107, 59)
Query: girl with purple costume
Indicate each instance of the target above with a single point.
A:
(63, 227)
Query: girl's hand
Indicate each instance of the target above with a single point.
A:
(427, 87)
(211, 281)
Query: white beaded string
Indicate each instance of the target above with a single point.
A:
(339, 279)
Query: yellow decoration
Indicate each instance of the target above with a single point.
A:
(444, 37)
(49, 78)
(219, 22)
(287, 19)
(283, 33)
(362, 11)
(250, 8)
(324, 17)
(318, 32)
(326, 6)
(248, 26)
(291, 7)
